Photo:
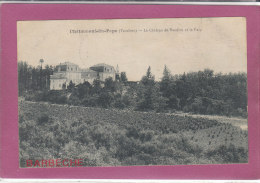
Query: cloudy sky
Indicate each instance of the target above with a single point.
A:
(183, 44)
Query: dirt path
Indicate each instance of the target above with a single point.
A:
(239, 122)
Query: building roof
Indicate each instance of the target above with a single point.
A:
(102, 65)
(68, 63)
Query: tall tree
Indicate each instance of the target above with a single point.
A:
(123, 77)
(168, 89)
(165, 84)
(147, 92)
(41, 80)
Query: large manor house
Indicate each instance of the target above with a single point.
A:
(67, 72)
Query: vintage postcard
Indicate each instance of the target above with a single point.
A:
(132, 92)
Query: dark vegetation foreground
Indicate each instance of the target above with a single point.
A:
(107, 137)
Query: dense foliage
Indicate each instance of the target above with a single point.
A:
(108, 137)
(200, 92)
(33, 78)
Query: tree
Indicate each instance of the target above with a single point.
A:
(22, 77)
(166, 74)
(41, 83)
(71, 86)
(96, 86)
(33, 78)
(147, 92)
(148, 79)
(105, 99)
(165, 82)
(183, 90)
(84, 89)
(48, 70)
(110, 85)
(168, 89)
(123, 77)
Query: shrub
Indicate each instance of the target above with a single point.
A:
(90, 101)
(229, 154)
(119, 103)
(54, 96)
(146, 135)
(132, 132)
(73, 100)
(105, 99)
(173, 102)
(43, 119)
(128, 100)
(160, 104)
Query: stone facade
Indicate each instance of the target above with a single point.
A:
(67, 72)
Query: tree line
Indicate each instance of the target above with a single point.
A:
(33, 78)
(202, 92)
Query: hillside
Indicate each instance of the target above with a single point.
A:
(104, 137)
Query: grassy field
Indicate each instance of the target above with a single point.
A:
(108, 137)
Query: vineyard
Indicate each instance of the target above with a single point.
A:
(110, 137)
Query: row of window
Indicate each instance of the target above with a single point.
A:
(71, 68)
(108, 69)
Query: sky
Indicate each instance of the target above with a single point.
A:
(182, 44)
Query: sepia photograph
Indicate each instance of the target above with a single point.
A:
(132, 92)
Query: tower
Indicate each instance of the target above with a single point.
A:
(117, 73)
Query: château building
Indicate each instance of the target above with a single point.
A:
(66, 72)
